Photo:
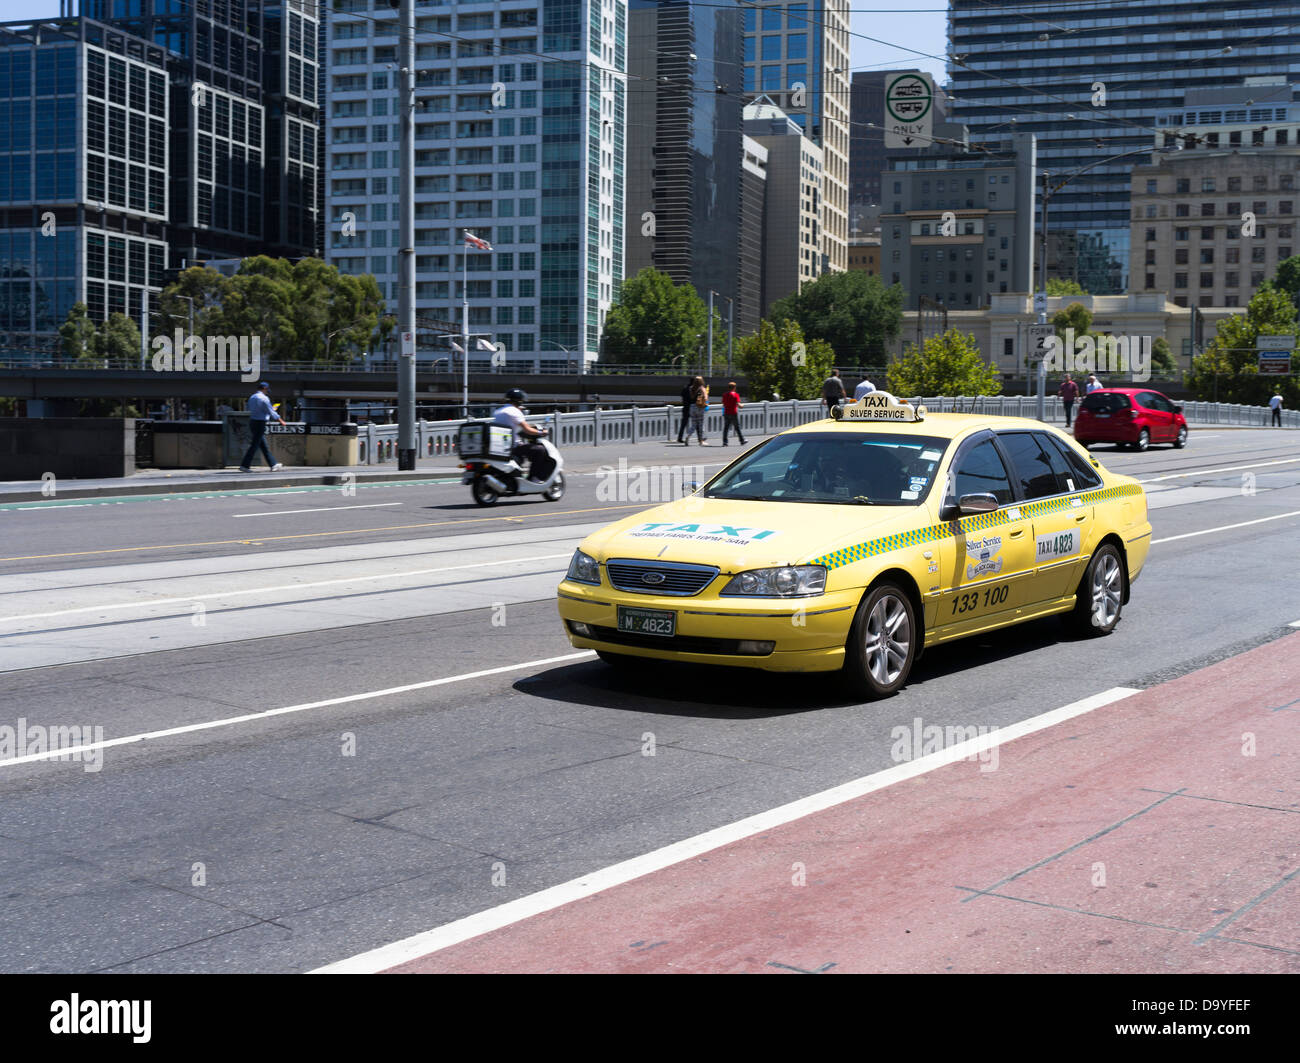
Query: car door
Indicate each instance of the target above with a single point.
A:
(1157, 419)
(987, 563)
(1053, 490)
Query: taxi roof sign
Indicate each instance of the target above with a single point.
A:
(878, 406)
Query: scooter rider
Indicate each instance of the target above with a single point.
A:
(512, 416)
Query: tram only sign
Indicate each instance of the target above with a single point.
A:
(909, 111)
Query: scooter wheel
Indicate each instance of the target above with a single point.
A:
(556, 491)
(483, 493)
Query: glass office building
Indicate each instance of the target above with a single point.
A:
(684, 150)
(83, 176)
(797, 55)
(519, 138)
(1090, 80)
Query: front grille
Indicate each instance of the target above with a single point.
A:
(678, 580)
(680, 643)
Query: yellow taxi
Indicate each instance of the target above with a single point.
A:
(851, 544)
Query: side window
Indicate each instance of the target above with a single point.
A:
(1039, 476)
(1148, 400)
(981, 471)
(1083, 474)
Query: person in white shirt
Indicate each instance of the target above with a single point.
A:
(1275, 404)
(866, 387)
(1093, 384)
(524, 435)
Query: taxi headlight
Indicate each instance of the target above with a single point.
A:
(799, 581)
(584, 568)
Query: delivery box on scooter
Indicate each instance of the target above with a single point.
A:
(483, 439)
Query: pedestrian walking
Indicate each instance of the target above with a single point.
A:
(832, 391)
(699, 407)
(1069, 391)
(260, 411)
(1093, 383)
(1275, 404)
(865, 387)
(731, 413)
(688, 400)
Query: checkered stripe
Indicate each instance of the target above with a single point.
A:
(874, 547)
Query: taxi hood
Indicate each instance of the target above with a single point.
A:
(739, 535)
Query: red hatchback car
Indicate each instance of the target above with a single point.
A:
(1132, 417)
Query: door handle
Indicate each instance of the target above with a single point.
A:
(1080, 518)
(1017, 534)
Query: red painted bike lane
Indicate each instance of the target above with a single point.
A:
(1160, 833)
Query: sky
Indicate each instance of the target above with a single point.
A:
(918, 25)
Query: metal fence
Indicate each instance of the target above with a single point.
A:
(660, 424)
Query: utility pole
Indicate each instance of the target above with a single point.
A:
(710, 333)
(731, 330)
(406, 254)
(464, 326)
(1040, 374)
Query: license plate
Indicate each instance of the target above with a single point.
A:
(1101, 415)
(647, 621)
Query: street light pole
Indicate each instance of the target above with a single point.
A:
(406, 253)
(710, 332)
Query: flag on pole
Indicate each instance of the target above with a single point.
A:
(473, 241)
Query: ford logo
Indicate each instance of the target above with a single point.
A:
(653, 578)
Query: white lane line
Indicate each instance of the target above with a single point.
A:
(1225, 527)
(535, 904)
(70, 751)
(151, 602)
(1294, 623)
(1223, 468)
(323, 509)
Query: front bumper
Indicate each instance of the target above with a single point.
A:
(808, 633)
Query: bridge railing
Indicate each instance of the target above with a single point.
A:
(596, 428)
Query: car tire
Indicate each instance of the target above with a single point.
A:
(1143, 440)
(1180, 440)
(877, 660)
(1100, 597)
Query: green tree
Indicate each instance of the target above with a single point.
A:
(951, 364)
(1162, 357)
(1229, 369)
(302, 311)
(77, 335)
(118, 340)
(657, 321)
(1287, 279)
(779, 363)
(1075, 316)
(852, 311)
(1061, 286)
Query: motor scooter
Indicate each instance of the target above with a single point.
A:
(493, 476)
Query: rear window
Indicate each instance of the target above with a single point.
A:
(1105, 402)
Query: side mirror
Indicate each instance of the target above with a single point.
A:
(969, 506)
(1178, 409)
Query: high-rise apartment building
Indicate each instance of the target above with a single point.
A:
(684, 151)
(1214, 213)
(792, 213)
(1090, 81)
(958, 227)
(519, 137)
(84, 158)
(797, 55)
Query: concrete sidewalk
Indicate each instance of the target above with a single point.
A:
(1159, 833)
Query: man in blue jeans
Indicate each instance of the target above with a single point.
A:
(260, 411)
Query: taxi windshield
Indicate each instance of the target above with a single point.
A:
(837, 468)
